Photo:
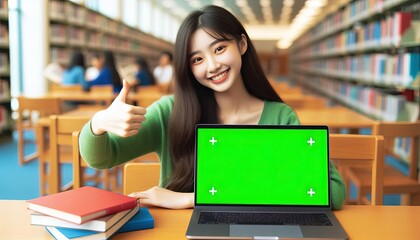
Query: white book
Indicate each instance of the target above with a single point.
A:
(65, 234)
(101, 224)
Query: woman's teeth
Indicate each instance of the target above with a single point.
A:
(218, 77)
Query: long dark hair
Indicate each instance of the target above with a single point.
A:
(109, 62)
(145, 67)
(77, 59)
(195, 103)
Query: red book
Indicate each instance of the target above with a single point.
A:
(82, 204)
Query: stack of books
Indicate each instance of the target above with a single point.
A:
(88, 213)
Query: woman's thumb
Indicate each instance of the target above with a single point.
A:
(122, 96)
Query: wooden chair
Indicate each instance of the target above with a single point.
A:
(102, 89)
(147, 158)
(60, 142)
(29, 111)
(146, 95)
(109, 177)
(140, 176)
(66, 89)
(61, 151)
(395, 182)
(307, 102)
(352, 149)
(152, 88)
(284, 88)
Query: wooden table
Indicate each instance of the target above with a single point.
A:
(96, 97)
(144, 98)
(360, 222)
(335, 118)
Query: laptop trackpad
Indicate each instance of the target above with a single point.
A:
(265, 230)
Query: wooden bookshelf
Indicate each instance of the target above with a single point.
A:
(5, 107)
(71, 26)
(366, 55)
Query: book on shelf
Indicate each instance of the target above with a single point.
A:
(3, 118)
(4, 34)
(140, 220)
(402, 21)
(82, 204)
(4, 89)
(4, 8)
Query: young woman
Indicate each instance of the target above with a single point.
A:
(163, 72)
(143, 75)
(218, 79)
(108, 73)
(75, 72)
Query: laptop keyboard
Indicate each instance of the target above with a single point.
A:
(301, 219)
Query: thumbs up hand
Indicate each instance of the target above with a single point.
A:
(119, 118)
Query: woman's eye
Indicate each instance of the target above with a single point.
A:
(219, 49)
(196, 60)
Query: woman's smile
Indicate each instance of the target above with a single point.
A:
(219, 78)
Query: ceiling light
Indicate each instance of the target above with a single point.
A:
(195, 4)
(241, 3)
(288, 3)
(265, 3)
(169, 4)
(220, 3)
(315, 3)
(283, 44)
(266, 32)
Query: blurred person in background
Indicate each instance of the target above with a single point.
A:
(75, 72)
(108, 74)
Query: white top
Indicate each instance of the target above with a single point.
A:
(163, 74)
(54, 72)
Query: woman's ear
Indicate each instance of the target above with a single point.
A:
(243, 44)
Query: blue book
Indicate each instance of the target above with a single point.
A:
(142, 219)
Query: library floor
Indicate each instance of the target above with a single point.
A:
(22, 182)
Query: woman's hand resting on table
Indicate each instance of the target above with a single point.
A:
(119, 118)
(161, 197)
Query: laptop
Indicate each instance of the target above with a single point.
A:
(262, 182)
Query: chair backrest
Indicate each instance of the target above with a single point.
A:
(149, 157)
(43, 105)
(353, 149)
(66, 89)
(61, 130)
(140, 176)
(146, 95)
(306, 102)
(102, 89)
(29, 109)
(284, 88)
(151, 88)
(408, 134)
(109, 178)
(78, 163)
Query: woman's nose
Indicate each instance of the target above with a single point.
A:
(213, 65)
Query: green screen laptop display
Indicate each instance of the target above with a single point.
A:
(262, 165)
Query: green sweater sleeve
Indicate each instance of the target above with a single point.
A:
(281, 114)
(108, 150)
(338, 188)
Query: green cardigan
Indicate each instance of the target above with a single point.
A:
(108, 150)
